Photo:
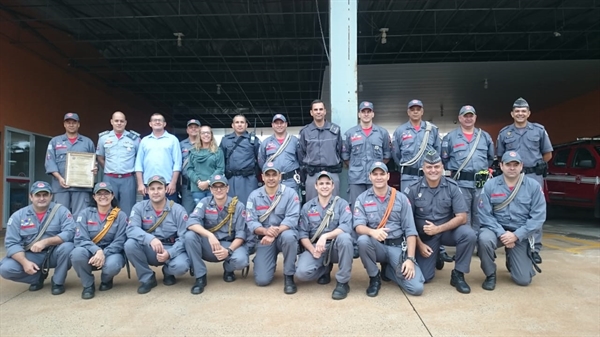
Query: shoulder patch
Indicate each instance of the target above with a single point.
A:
(9, 222)
(103, 133)
(132, 135)
(334, 129)
(135, 133)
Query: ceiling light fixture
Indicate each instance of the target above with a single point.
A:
(179, 36)
(485, 83)
(557, 34)
(384, 35)
(218, 89)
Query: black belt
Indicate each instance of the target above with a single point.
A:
(311, 170)
(289, 175)
(411, 171)
(243, 173)
(529, 170)
(168, 241)
(464, 175)
(393, 242)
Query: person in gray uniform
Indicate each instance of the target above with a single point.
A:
(99, 239)
(155, 237)
(364, 144)
(324, 230)
(186, 145)
(73, 198)
(281, 148)
(240, 149)
(39, 237)
(320, 149)
(468, 153)
(531, 141)
(116, 152)
(384, 221)
(512, 208)
(272, 213)
(216, 233)
(440, 215)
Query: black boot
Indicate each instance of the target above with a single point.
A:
(384, 266)
(104, 286)
(536, 257)
(169, 280)
(228, 276)
(198, 287)
(39, 284)
(446, 257)
(326, 278)
(88, 292)
(289, 286)
(374, 285)
(355, 252)
(439, 263)
(341, 291)
(490, 282)
(57, 289)
(146, 287)
(457, 280)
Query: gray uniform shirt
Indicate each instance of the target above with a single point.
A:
(320, 146)
(186, 146)
(56, 158)
(287, 161)
(286, 213)
(119, 153)
(369, 209)
(89, 224)
(407, 140)
(312, 215)
(531, 142)
(362, 151)
(244, 156)
(172, 229)
(23, 226)
(208, 215)
(456, 147)
(438, 205)
(523, 216)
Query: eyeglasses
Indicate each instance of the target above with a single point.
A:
(205, 132)
(154, 120)
(103, 194)
(218, 188)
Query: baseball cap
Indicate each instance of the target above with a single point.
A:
(270, 167)
(72, 115)
(511, 156)
(103, 186)
(324, 174)
(467, 109)
(159, 179)
(415, 102)
(280, 117)
(379, 165)
(194, 121)
(366, 105)
(218, 178)
(432, 157)
(40, 186)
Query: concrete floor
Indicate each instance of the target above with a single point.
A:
(562, 301)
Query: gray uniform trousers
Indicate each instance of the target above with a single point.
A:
(354, 190)
(112, 266)
(310, 269)
(265, 260)
(372, 251)
(311, 192)
(73, 201)
(521, 268)
(198, 249)
(59, 260)
(142, 256)
(187, 199)
(462, 237)
(242, 186)
(537, 235)
(125, 191)
(291, 183)
(471, 196)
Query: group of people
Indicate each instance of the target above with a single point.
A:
(225, 217)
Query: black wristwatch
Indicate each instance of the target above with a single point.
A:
(229, 251)
(411, 258)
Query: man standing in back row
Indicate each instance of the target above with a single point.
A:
(281, 148)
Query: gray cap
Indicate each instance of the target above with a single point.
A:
(218, 178)
(467, 109)
(379, 165)
(431, 157)
(40, 186)
(103, 186)
(159, 179)
(280, 117)
(72, 115)
(511, 156)
(366, 105)
(415, 102)
(521, 103)
(194, 121)
(324, 174)
(270, 167)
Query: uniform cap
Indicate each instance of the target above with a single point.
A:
(521, 103)
(415, 102)
(270, 167)
(467, 109)
(366, 105)
(511, 156)
(280, 117)
(379, 165)
(40, 186)
(159, 179)
(72, 115)
(103, 186)
(324, 174)
(218, 178)
(432, 157)
(194, 121)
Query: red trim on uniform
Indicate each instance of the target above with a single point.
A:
(28, 226)
(498, 195)
(314, 214)
(211, 211)
(260, 208)
(370, 204)
(459, 145)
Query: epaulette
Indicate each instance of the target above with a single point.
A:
(103, 133)
(504, 128)
(133, 135)
(538, 126)
(451, 181)
(334, 129)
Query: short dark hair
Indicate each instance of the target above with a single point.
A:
(316, 101)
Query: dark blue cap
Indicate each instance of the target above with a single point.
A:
(40, 186)
(415, 102)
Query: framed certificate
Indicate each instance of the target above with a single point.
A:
(78, 169)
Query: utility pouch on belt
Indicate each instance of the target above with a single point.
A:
(481, 177)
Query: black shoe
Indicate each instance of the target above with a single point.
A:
(341, 291)
(446, 257)
(355, 253)
(490, 282)
(146, 287)
(228, 276)
(439, 263)
(104, 286)
(536, 257)
(57, 289)
(326, 278)
(88, 292)
(507, 264)
(289, 286)
(457, 280)
(40, 283)
(383, 276)
(198, 287)
(374, 285)
(169, 280)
